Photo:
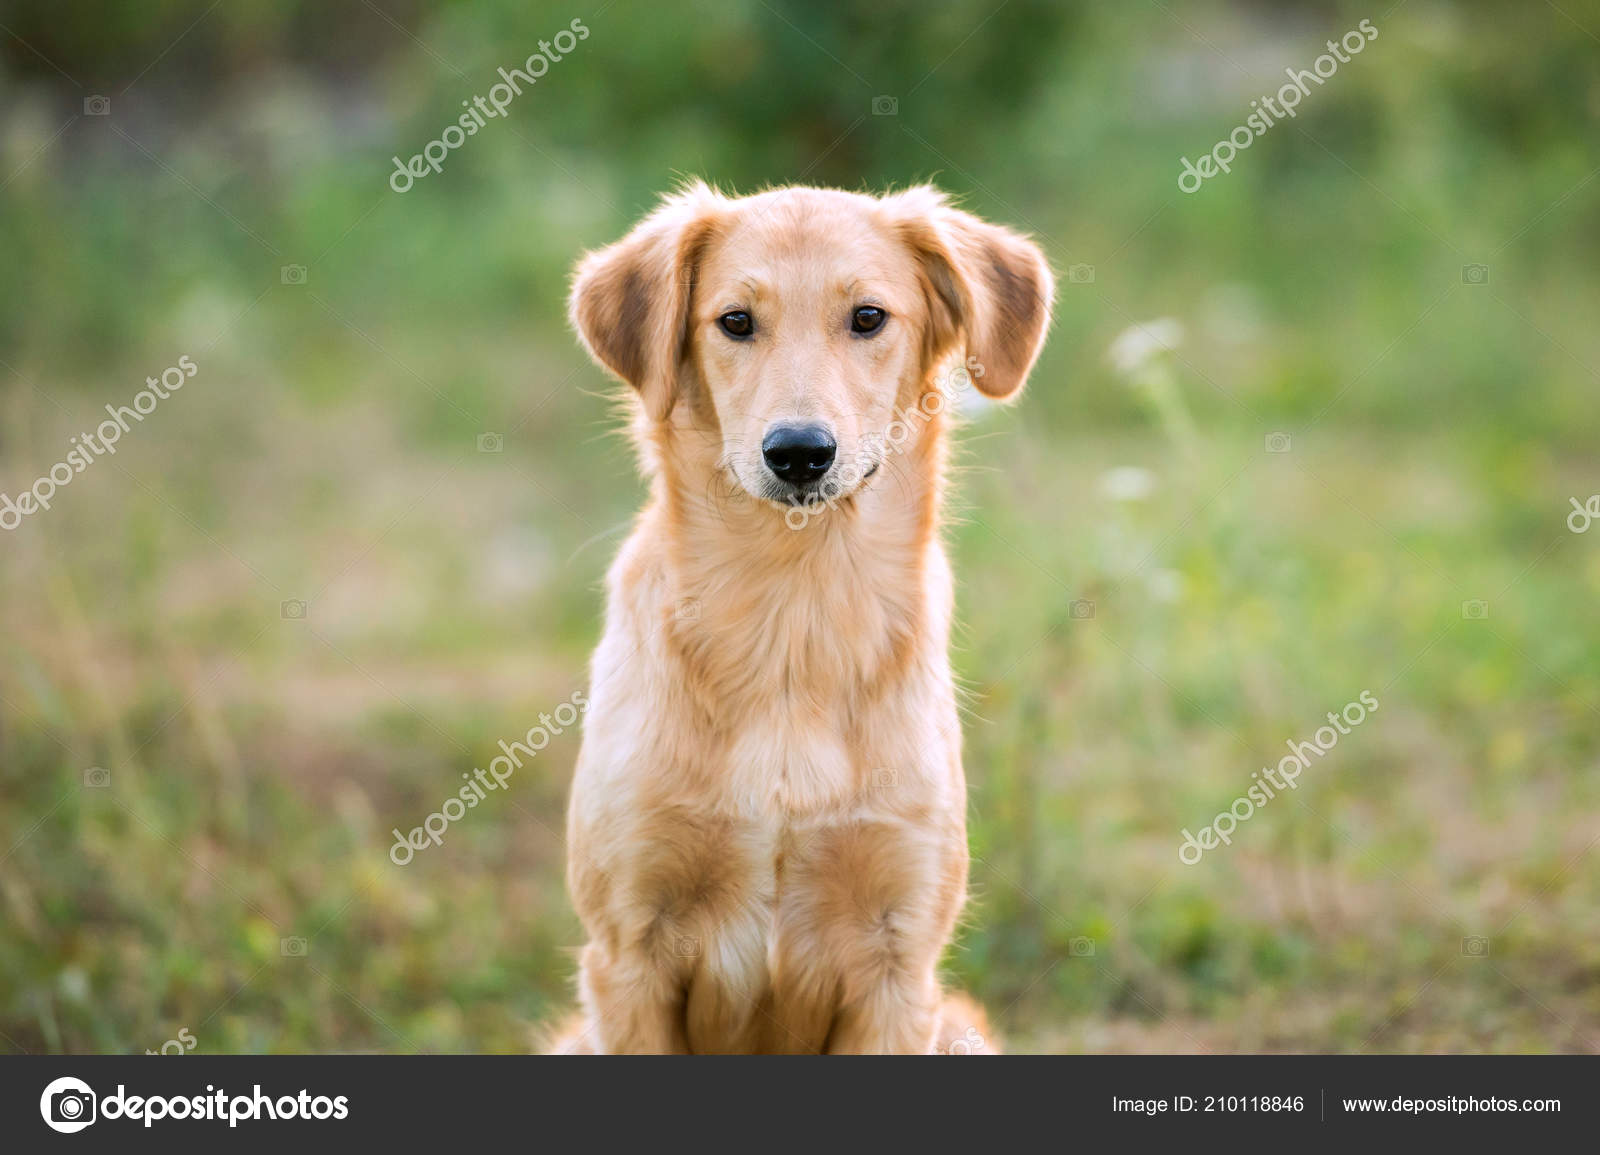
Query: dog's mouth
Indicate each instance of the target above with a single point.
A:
(835, 487)
(798, 496)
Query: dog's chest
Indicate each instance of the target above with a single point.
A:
(789, 766)
(766, 798)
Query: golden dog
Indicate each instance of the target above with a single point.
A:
(767, 830)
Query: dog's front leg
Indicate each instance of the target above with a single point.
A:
(898, 1014)
(634, 1004)
(893, 889)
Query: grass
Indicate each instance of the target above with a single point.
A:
(328, 453)
(257, 763)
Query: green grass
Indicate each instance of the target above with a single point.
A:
(327, 452)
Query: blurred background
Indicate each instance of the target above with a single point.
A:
(1315, 429)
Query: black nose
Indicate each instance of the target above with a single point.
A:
(798, 453)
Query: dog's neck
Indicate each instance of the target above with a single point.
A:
(844, 593)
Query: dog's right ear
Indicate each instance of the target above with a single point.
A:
(630, 301)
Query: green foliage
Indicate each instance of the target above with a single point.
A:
(327, 452)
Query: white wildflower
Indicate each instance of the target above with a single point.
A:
(1138, 345)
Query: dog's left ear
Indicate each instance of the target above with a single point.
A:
(989, 289)
(630, 301)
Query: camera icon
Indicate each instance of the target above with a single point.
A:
(885, 106)
(292, 947)
(72, 1107)
(686, 947)
(884, 779)
(1474, 274)
(687, 610)
(1081, 610)
(1081, 947)
(1080, 274)
(1475, 946)
(97, 106)
(1475, 610)
(1278, 443)
(68, 1105)
(293, 610)
(491, 443)
(293, 274)
(97, 777)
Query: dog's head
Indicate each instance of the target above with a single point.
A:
(800, 324)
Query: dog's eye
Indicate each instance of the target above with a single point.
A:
(737, 323)
(867, 319)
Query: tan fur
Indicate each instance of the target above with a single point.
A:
(963, 1030)
(767, 835)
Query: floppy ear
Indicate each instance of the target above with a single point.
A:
(630, 301)
(989, 289)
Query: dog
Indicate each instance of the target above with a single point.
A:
(767, 826)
